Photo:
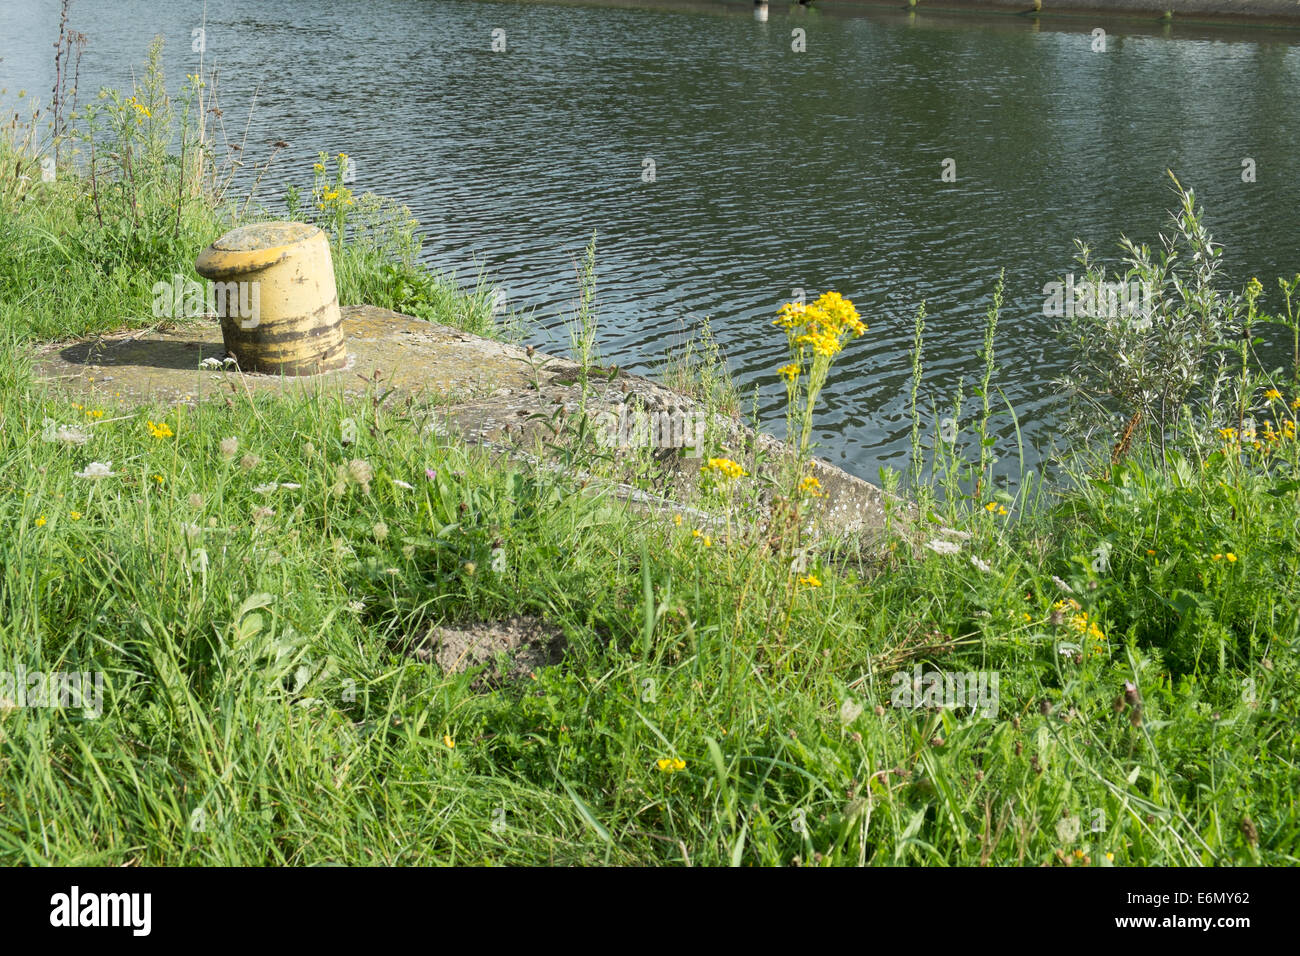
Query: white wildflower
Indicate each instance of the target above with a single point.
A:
(403, 485)
(67, 434)
(1062, 585)
(96, 469)
(981, 564)
(939, 546)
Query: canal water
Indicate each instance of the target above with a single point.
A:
(803, 152)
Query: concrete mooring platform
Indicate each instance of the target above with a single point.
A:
(484, 391)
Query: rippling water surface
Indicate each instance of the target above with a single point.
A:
(774, 170)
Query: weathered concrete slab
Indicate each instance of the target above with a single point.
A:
(484, 391)
(163, 364)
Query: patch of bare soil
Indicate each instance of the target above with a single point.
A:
(513, 648)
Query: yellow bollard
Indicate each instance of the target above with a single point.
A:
(276, 297)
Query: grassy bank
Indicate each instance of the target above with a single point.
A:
(254, 579)
(143, 182)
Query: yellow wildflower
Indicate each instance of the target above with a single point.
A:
(670, 764)
(40, 522)
(725, 467)
(788, 372)
(790, 316)
(75, 515)
(811, 581)
(448, 742)
(160, 429)
(810, 485)
(1272, 394)
(1080, 621)
(837, 314)
(819, 342)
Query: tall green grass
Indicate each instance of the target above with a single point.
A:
(262, 704)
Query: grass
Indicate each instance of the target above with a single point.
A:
(696, 367)
(251, 578)
(144, 189)
(262, 704)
